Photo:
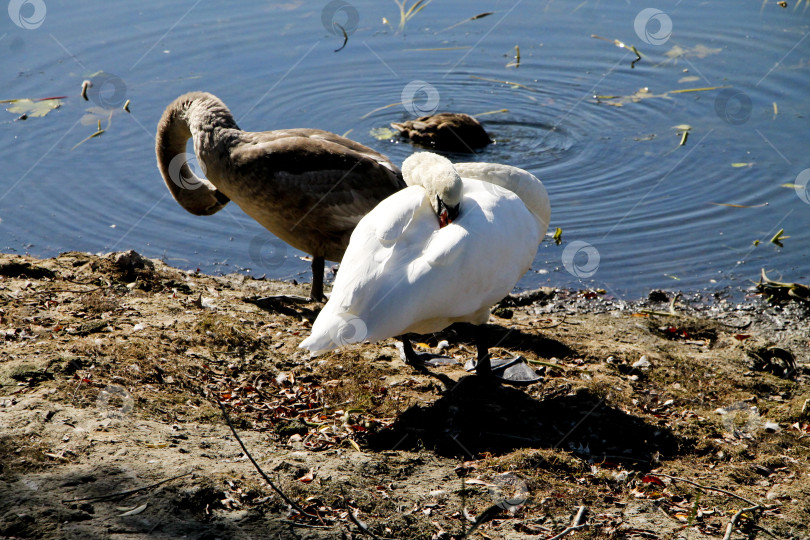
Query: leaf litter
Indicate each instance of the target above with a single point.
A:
(650, 413)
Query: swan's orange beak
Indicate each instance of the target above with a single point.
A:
(447, 213)
(444, 219)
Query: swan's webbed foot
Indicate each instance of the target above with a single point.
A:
(413, 358)
(513, 370)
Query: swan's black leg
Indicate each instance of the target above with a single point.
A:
(509, 370)
(483, 367)
(316, 292)
(410, 355)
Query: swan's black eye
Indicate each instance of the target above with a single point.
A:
(452, 211)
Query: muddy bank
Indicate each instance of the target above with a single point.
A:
(112, 369)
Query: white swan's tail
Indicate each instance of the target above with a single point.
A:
(331, 331)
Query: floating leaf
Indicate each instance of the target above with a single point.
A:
(778, 237)
(405, 13)
(510, 83)
(739, 205)
(378, 109)
(459, 48)
(698, 51)
(516, 63)
(383, 133)
(345, 37)
(473, 18)
(491, 112)
(622, 45)
(644, 93)
(33, 108)
(96, 114)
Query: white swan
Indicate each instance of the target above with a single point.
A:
(307, 186)
(405, 272)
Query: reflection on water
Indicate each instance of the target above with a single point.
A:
(637, 209)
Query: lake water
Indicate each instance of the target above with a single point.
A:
(637, 209)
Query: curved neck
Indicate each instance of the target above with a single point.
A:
(201, 116)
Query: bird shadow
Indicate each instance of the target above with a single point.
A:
(508, 338)
(476, 416)
(300, 308)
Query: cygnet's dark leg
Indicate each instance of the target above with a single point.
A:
(413, 358)
(409, 355)
(316, 292)
(509, 370)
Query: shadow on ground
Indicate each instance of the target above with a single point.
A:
(43, 505)
(476, 416)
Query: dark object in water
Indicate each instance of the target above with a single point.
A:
(453, 132)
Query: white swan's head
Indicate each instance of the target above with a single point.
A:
(442, 183)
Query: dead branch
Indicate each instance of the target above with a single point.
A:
(708, 488)
(577, 523)
(281, 494)
(736, 517)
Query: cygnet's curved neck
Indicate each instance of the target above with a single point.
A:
(203, 117)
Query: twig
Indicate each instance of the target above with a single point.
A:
(709, 488)
(360, 525)
(261, 472)
(555, 324)
(127, 492)
(738, 515)
(577, 523)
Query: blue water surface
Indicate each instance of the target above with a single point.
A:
(637, 209)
